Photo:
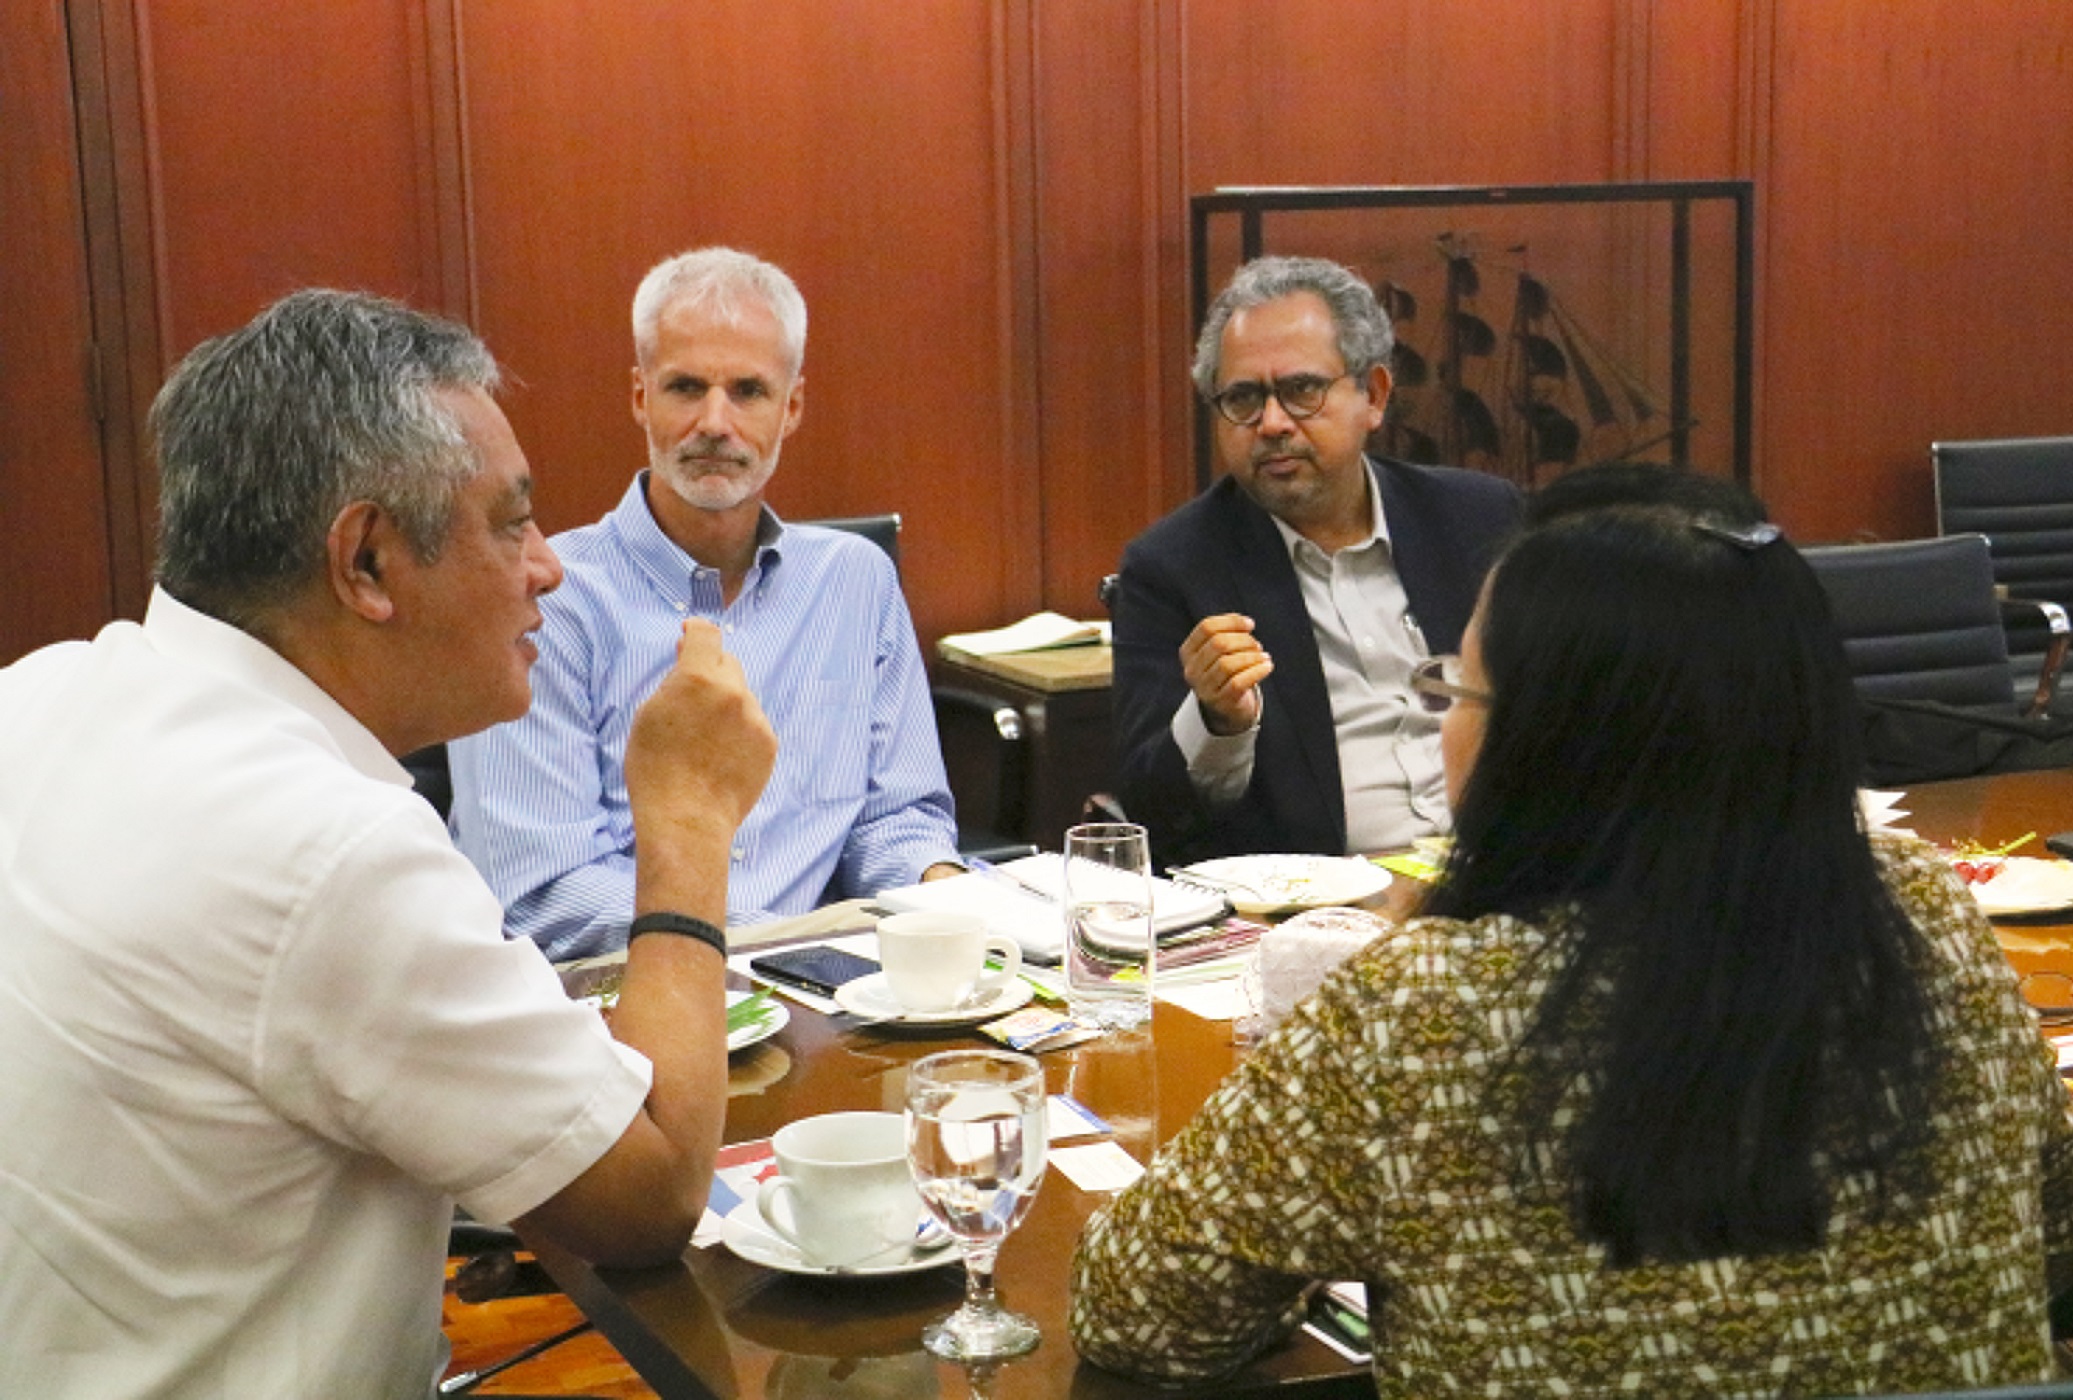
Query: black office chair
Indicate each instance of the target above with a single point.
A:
(1919, 620)
(1921, 629)
(432, 778)
(984, 749)
(2018, 492)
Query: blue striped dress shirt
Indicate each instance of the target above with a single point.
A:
(858, 800)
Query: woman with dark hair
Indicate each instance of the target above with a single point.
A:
(1680, 1085)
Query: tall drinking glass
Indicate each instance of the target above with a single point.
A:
(976, 1145)
(1108, 923)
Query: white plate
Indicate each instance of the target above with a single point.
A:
(745, 1234)
(775, 1019)
(872, 999)
(1285, 884)
(2026, 885)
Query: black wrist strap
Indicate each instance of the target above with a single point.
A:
(683, 925)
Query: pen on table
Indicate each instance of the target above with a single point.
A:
(1342, 1319)
(1009, 877)
(1043, 990)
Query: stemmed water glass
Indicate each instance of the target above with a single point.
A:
(976, 1145)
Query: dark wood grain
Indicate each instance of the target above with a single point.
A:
(722, 1326)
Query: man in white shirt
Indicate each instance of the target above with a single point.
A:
(260, 1023)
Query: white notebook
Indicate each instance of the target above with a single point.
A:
(1008, 898)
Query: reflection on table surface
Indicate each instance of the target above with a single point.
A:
(719, 1326)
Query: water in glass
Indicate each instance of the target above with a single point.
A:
(1108, 931)
(976, 1145)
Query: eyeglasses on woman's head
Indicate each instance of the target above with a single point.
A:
(1436, 681)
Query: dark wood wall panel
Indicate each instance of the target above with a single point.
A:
(1106, 373)
(1919, 190)
(56, 580)
(1423, 92)
(854, 144)
(286, 147)
(984, 201)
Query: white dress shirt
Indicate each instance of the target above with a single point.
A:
(260, 1028)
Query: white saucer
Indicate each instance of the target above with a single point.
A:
(745, 1234)
(2025, 885)
(871, 998)
(775, 1018)
(1287, 884)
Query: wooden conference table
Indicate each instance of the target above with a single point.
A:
(718, 1326)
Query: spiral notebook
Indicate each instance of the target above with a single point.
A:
(1024, 900)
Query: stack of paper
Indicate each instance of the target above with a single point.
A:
(1024, 900)
(1037, 632)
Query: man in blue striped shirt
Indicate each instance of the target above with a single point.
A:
(858, 801)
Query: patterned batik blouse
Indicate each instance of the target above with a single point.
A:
(1358, 1143)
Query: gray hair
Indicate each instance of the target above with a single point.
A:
(265, 434)
(1365, 337)
(718, 279)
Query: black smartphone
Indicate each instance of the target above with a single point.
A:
(2061, 844)
(816, 969)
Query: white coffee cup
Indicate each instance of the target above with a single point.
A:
(843, 1192)
(936, 961)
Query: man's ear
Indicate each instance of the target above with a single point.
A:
(1378, 395)
(362, 544)
(795, 406)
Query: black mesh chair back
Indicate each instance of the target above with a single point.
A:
(1919, 621)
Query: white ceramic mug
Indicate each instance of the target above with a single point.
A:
(843, 1192)
(936, 961)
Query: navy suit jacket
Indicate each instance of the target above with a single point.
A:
(1220, 553)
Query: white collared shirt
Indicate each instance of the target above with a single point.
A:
(260, 1027)
(1367, 642)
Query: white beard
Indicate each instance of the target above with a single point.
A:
(702, 488)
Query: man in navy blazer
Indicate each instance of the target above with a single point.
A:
(1310, 562)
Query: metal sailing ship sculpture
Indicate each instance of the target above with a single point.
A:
(1543, 398)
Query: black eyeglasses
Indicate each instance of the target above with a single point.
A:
(1436, 681)
(1300, 396)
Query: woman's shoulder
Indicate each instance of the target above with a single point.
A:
(1483, 960)
(1921, 877)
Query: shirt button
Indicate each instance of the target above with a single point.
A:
(683, 608)
(741, 853)
(728, 629)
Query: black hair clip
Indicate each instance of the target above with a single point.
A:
(1747, 538)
